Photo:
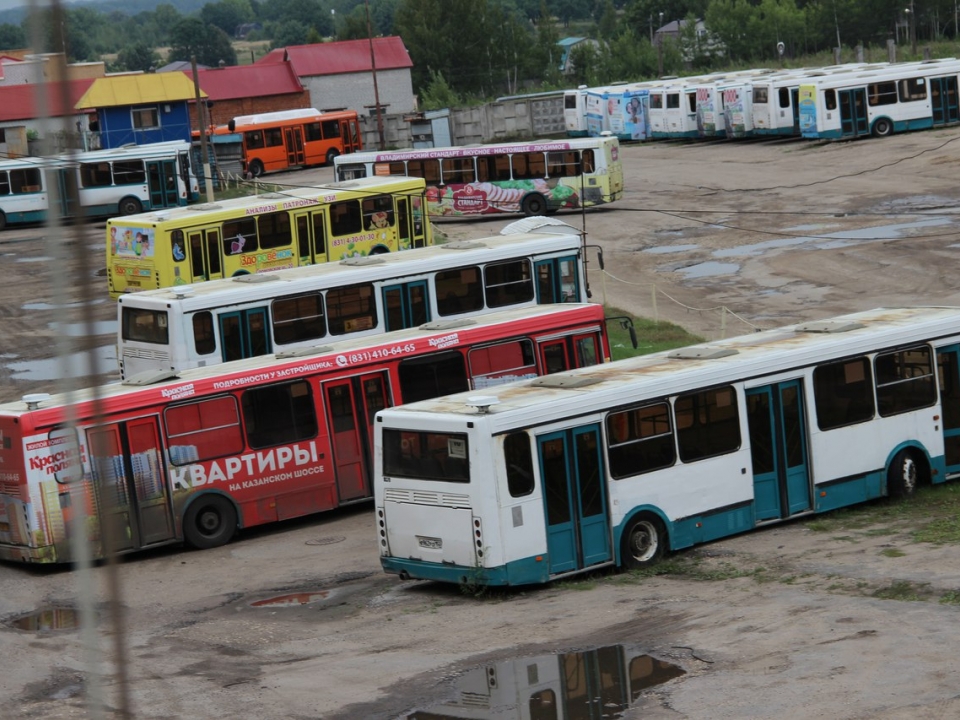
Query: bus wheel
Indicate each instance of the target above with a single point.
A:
(883, 127)
(904, 475)
(129, 206)
(211, 521)
(3, 221)
(644, 542)
(331, 154)
(533, 204)
(256, 168)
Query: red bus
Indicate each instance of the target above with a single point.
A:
(295, 138)
(207, 451)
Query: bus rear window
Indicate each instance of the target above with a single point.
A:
(425, 455)
(149, 326)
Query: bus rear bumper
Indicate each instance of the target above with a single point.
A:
(528, 571)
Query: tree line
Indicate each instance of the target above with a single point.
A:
(469, 50)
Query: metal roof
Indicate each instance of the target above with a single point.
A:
(246, 81)
(118, 90)
(348, 56)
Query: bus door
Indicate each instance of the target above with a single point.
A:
(778, 448)
(311, 238)
(557, 281)
(205, 263)
(948, 366)
(406, 305)
(130, 489)
(853, 112)
(244, 334)
(795, 109)
(574, 496)
(350, 135)
(943, 100)
(351, 405)
(293, 143)
(68, 192)
(566, 353)
(162, 183)
(410, 232)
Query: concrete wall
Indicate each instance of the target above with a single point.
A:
(354, 91)
(517, 119)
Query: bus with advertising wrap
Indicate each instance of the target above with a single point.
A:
(289, 139)
(222, 320)
(195, 456)
(243, 236)
(99, 183)
(613, 466)
(533, 178)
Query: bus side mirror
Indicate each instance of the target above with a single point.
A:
(599, 254)
(232, 125)
(627, 324)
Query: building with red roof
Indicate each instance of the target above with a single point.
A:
(339, 75)
(22, 105)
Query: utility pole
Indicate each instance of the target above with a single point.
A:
(660, 47)
(913, 29)
(204, 157)
(376, 92)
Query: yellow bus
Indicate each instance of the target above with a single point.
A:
(243, 236)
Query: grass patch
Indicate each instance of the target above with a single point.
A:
(951, 597)
(892, 552)
(904, 591)
(690, 566)
(652, 336)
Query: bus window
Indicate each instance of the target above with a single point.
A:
(519, 461)
(145, 325)
(25, 181)
(275, 230)
(203, 430)
(273, 137)
(204, 338)
(459, 291)
(707, 424)
(760, 96)
(253, 139)
(491, 168)
(843, 393)
(912, 89)
(508, 283)
(458, 170)
(882, 93)
(377, 212)
(904, 381)
(784, 97)
(656, 101)
(502, 362)
(396, 168)
(351, 309)
(4, 183)
(296, 319)
(432, 376)
(331, 129)
(640, 440)
(239, 236)
(311, 132)
(830, 99)
(563, 164)
(96, 174)
(429, 170)
(529, 166)
(129, 172)
(279, 414)
(345, 217)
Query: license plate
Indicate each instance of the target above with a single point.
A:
(430, 543)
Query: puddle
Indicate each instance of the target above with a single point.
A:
(664, 249)
(708, 269)
(100, 327)
(47, 620)
(77, 365)
(602, 683)
(51, 306)
(34, 259)
(293, 599)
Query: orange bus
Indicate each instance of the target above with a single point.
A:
(295, 138)
(194, 456)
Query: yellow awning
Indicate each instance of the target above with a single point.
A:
(139, 89)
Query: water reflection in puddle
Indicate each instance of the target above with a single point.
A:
(47, 620)
(293, 599)
(664, 249)
(77, 364)
(100, 327)
(34, 259)
(601, 683)
(708, 269)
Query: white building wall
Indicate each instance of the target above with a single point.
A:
(354, 91)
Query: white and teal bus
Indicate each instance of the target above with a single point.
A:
(614, 465)
(895, 98)
(98, 183)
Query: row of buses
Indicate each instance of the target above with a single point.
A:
(834, 102)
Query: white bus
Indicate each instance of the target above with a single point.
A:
(176, 328)
(895, 98)
(532, 178)
(615, 465)
(575, 111)
(99, 183)
(673, 108)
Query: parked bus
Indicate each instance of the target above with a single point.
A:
(895, 98)
(533, 178)
(195, 456)
(575, 111)
(221, 320)
(99, 183)
(616, 465)
(290, 139)
(266, 232)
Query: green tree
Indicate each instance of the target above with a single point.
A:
(12, 37)
(227, 14)
(138, 56)
(438, 94)
(353, 25)
(192, 38)
(288, 32)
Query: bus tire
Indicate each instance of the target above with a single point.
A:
(129, 206)
(210, 521)
(533, 204)
(331, 154)
(3, 221)
(883, 127)
(644, 542)
(256, 168)
(903, 475)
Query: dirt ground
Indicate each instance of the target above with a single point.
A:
(786, 621)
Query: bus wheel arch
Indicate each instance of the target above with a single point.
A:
(331, 154)
(644, 541)
(238, 273)
(907, 470)
(533, 204)
(379, 250)
(3, 220)
(210, 520)
(129, 206)
(256, 168)
(882, 127)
